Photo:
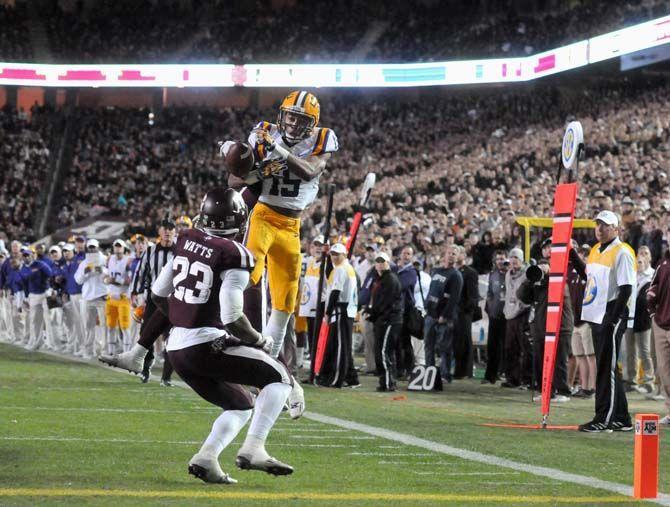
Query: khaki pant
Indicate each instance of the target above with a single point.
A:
(638, 345)
(662, 343)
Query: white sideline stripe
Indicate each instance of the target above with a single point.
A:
(429, 463)
(152, 442)
(328, 437)
(466, 473)
(436, 447)
(390, 454)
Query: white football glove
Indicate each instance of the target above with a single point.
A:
(224, 146)
(265, 343)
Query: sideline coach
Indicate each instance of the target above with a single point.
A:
(609, 300)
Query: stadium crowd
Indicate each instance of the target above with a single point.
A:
(24, 165)
(153, 32)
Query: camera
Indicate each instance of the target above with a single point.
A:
(534, 273)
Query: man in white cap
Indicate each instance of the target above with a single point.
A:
(73, 308)
(117, 307)
(90, 275)
(341, 307)
(609, 299)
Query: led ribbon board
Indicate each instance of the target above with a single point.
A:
(499, 70)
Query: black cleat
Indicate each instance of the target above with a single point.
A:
(269, 465)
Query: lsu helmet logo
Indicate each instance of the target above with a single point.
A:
(590, 291)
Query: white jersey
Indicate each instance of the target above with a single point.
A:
(286, 189)
(310, 288)
(119, 271)
(343, 278)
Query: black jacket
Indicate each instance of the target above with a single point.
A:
(536, 294)
(386, 306)
(470, 293)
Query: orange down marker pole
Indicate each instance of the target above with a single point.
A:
(645, 482)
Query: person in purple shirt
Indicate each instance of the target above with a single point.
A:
(72, 302)
(35, 275)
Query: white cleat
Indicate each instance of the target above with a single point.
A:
(207, 469)
(261, 460)
(130, 361)
(296, 401)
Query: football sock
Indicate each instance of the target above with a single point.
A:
(224, 430)
(299, 357)
(269, 405)
(277, 329)
(138, 350)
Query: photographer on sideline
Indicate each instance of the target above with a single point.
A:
(534, 291)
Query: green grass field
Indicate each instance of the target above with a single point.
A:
(73, 433)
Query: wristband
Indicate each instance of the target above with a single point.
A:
(282, 151)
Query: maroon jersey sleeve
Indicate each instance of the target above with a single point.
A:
(198, 263)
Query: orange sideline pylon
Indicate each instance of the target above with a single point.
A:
(645, 481)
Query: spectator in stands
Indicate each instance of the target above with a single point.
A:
(495, 303)
(517, 345)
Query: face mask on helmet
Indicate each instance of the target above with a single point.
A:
(295, 126)
(223, 213)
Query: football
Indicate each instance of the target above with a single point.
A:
(239, 159)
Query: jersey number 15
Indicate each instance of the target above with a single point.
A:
(287, 187)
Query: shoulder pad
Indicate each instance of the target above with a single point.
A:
(326, 142)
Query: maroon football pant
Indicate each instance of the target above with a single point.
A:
(218, 376)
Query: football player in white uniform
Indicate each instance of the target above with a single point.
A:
(292, 155)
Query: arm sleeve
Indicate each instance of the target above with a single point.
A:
(525, 292)
(489, 294)
(231, 295)
(652, 291)
(578, 264)
(453, 294)
(79, 275)
(163, 287)
(625, 268)
(138, 284)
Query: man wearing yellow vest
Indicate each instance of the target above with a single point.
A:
(609, 299)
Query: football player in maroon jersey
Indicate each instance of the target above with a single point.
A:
(212, 345)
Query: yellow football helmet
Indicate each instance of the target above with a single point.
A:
(298, 116)
(184, 222)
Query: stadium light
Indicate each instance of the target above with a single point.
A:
(498, 70)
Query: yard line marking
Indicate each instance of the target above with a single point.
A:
(173, 442)
(231, 494)
(331, 437)
(115, 410)
(551, 473)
